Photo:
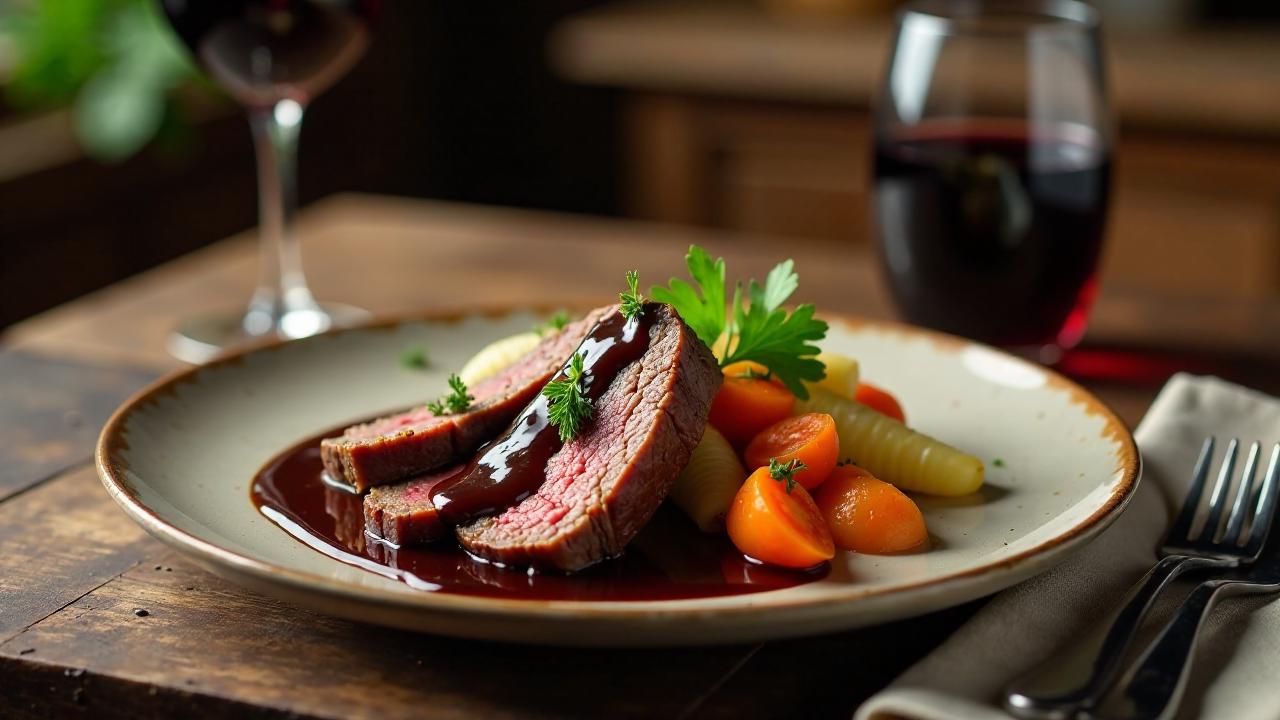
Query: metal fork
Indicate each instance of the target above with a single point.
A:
(1153, 688)
(1076, 678)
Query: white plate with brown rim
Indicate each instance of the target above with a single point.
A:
(181, 455)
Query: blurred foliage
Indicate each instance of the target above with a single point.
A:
(116, 63)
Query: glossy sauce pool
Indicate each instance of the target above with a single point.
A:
(670, 559)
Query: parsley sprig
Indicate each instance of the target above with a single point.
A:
(567, 406)
(785, 472)
(632, 300)
(760, 330)
(457, 401)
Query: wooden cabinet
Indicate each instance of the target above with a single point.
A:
(738, 120)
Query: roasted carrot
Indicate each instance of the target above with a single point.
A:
(868, 515)
(748, 402)
(880, 400)
(810, 438)
(774, 520)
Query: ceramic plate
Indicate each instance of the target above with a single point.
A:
(179, 458)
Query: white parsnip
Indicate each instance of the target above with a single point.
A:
(842, 374)
(707, 485)
(496, 356)
(893, 452)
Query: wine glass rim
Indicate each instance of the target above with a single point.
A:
(964, 17)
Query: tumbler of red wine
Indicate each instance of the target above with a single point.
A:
(273, 57)
(992, 169)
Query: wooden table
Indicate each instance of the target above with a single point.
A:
(97, 619)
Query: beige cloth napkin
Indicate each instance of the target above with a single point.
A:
(1237, 666)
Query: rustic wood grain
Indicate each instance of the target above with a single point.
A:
(396, 255)
(391, 255)
(74, 572)
(59, 541)
(51, 410)
(277, 656)
(828, 676)
(74, 569)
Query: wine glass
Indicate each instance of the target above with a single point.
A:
(993, 141)
(273, 57)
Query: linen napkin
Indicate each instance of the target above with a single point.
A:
(1237, 666)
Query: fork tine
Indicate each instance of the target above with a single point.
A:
(1182, 526)
(1263, 518)
(1235, 521)
(1219, 496)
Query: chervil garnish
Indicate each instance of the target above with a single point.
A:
(457, 401)
(761, 330)
(632, 300)
(784, 472)
(553, 323)
(567, 406)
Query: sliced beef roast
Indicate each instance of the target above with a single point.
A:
(403, 513)
(604, 485)
(393, 448)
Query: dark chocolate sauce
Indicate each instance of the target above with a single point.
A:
(669, 559)
(511, 468)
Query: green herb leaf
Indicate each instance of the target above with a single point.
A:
(632, 300)
(761, 330)
(554, 323)
(784, 472)
(414, 357)
(704, 313)
(567, 407)
(781, 281)
(998, 462)
(457, 401)
(781, 342)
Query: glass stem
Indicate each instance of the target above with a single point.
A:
(282, 302)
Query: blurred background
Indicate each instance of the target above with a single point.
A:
(747, 115)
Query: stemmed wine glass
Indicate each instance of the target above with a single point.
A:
(993, 162)
(273, 57)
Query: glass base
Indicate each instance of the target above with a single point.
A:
(202, 338)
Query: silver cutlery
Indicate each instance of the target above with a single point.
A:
(1154, 687)
(1076, 678)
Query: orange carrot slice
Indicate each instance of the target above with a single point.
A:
(748, 402)
(774, 520)
(810, 438)
(880, 400)
(869, 515)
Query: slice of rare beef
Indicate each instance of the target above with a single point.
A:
(604, 485)
(403, 514)
(400, 446)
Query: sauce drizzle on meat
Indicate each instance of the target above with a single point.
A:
(511, 467)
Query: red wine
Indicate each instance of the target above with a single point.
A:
(993, 230)
(264, 51)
